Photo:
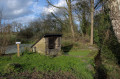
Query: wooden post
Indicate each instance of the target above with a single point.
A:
(18, 48)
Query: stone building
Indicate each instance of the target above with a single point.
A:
(50, 44)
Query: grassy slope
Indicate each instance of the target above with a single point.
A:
(76, 65)
(79, 61)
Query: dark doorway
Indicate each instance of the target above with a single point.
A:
(51, 43)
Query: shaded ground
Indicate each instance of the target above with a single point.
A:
(40, 75)
(101, 72)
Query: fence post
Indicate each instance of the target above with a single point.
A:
(18, 48)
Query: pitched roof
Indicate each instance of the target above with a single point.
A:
(36, 42)
(47, 35)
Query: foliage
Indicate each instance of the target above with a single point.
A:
(12, 67)
(105, 38)
(83, 11)
(25, 35)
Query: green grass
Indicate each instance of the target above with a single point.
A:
(79, 52)
(34, 61)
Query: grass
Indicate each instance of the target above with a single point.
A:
(31, 61)
(79, 52)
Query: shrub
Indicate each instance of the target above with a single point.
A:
(12, 67)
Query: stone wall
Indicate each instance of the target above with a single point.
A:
(40, 46)
(43, 46)
(57, 48)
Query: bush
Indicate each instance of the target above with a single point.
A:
(107, 53)
(12, 67)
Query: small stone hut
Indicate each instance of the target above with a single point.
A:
(50, 44)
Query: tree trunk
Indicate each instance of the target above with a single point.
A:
(70, 17)
(69, 10)
(115, 16)
(92, 21)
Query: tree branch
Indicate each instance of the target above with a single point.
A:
(67, 2)
(100, 1)
(57, 18)
(1, 16)
(55, 6)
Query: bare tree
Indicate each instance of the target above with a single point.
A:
(70, 15)
(4, 38)
(16, 26)
(5, 32)
(0, 31)
(0, 18)
(1, 10)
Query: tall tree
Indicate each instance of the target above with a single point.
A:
(70, 15)
(99, 3)
(82, 10)
(92, 21)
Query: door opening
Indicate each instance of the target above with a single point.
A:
(52, 42)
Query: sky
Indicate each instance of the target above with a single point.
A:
(25, 11)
